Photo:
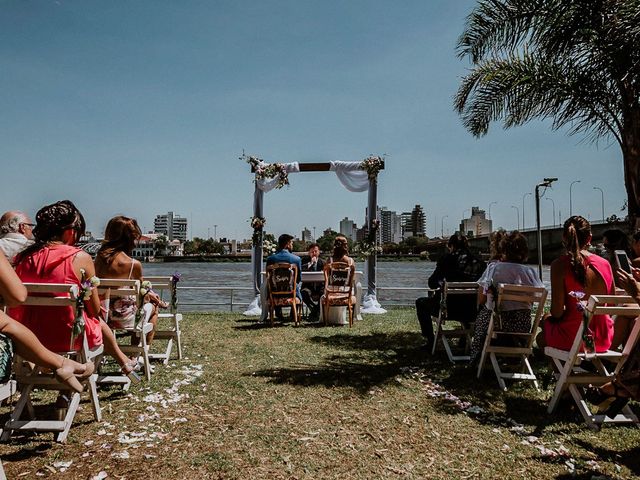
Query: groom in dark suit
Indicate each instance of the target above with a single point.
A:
(311, 292)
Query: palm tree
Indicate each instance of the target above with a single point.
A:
(576, 62)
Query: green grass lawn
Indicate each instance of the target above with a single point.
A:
(316, 402)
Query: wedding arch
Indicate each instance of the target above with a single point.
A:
(354, 176)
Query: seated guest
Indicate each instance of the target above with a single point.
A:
(284, 255)
(16, 232)
(616, 394)
(340, 254)
(457, 265)
(53, 258)
(25, 343)
(615, 239)
(312, 291)
(515, 316)
(577, 271)
(114, 261)
(635, 249)
(341, 251)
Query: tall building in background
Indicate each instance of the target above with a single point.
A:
(174, 227)
(306, 235)
(477, 224)
(348, 228)
(390, 226)
(414, 223)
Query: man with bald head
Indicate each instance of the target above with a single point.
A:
(16, 233)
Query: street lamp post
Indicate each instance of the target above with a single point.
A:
(602, 197)
(523, 197)
(545, 183)
(491, 203)
(208, 233)
(554, 210)
(570, 197)
(442, 226)
(314, 234)
(518, 216)
(215, 232)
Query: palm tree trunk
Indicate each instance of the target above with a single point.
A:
(631, 157)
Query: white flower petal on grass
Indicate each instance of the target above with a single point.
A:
(123, 455)
(100, 476)
(62, 466)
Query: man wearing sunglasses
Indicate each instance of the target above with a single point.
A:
(16, 233)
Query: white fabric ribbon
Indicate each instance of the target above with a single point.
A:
(268, 184)
(351, 175)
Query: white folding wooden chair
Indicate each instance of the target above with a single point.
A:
(111, 289)
(522, 343)
(7, 389)
(574, 378)
(168, 327)
(30, 377)
(452, 294)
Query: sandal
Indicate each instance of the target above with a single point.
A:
(129, 370)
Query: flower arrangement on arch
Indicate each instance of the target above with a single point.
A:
(372, 165)
(366, 248)
(258, 223)
(82, 294)
(268, 247)
(265, 170)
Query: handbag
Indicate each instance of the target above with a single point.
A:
(6, 358)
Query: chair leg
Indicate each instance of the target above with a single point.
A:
(294, 314)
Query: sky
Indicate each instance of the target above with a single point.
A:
(140, 108)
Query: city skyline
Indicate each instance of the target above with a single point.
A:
(143, 108)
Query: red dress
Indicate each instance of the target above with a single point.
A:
(562, 334)
(52, 325)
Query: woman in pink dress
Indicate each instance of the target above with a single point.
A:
(25, 343)
(53, 258)
(577, 272)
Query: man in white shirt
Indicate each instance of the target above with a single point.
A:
(16, 233)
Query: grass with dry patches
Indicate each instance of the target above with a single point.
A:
(314, 402)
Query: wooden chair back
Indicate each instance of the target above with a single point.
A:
(521, 342)
(339, 280)
(169, 320)
(455, 295)
(282, 287)
(31, 377)
(573, 378)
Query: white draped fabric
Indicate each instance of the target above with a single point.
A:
(352, 177)
(268, 184)
(254, 309)
(370, 304)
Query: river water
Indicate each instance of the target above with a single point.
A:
(206, 286)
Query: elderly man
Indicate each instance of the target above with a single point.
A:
(16, 233)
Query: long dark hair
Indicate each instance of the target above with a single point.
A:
(119, 236)
(51, 222)
(577, 231)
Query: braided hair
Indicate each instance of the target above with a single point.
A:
(577, 231)
(51, 222)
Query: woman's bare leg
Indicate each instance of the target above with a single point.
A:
(31, 349)
(154, 321)
(111, 345)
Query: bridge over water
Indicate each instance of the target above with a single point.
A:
(551, 241)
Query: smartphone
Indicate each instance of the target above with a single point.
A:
(623, 260)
